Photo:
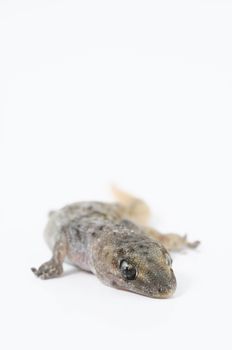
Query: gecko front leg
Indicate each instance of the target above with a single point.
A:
(53, 267)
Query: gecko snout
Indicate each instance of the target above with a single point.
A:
(166, 291)
(167, 288)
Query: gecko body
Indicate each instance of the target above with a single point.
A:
(112, 241)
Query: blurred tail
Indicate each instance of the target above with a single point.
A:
(134, 208)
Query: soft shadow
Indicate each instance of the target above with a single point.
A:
(74, 270)
(183, 284)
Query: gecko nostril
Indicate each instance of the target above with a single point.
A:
(161, 290)
(165, 289)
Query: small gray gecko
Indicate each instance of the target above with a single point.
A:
(113, 241)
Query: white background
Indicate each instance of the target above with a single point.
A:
(138, 93)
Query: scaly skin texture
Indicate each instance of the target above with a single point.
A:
(107, 239)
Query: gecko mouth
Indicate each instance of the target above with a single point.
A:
(161, 292)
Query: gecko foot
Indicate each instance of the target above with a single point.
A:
(49, 269)
(193, 245)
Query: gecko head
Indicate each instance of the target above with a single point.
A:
(137, 264)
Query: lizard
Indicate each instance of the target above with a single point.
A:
(114, 242)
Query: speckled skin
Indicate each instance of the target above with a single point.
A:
(97, 237)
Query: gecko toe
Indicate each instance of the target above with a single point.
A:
(194, 244)
(34, 270)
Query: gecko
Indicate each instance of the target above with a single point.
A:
(114, 242)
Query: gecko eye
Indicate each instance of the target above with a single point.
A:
(128, 271)
(168, 260)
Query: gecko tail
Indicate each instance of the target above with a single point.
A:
(135, 208)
